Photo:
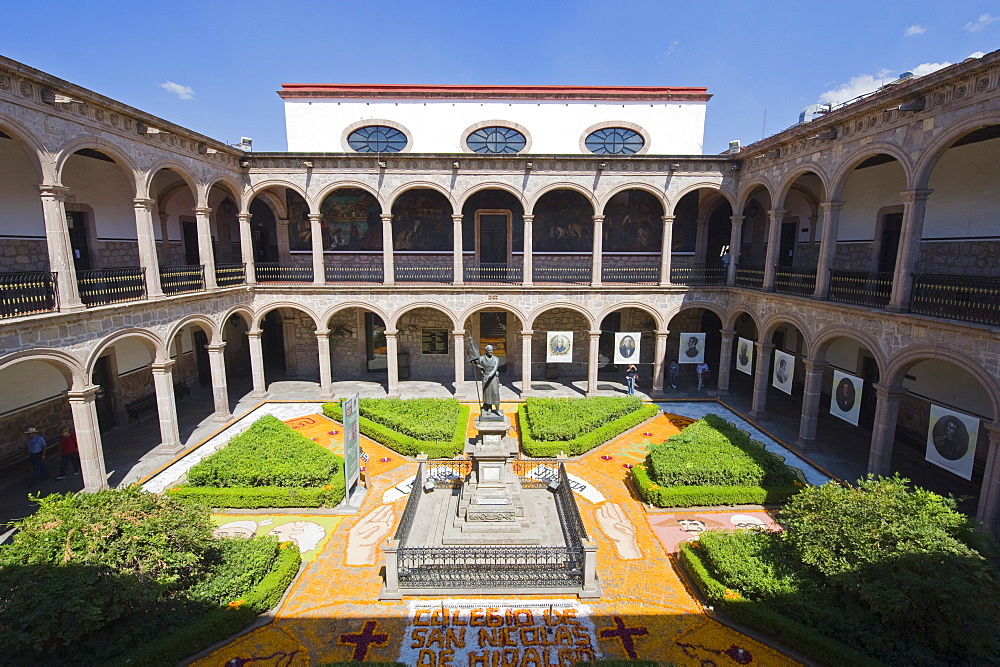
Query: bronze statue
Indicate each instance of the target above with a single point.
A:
(489, 364)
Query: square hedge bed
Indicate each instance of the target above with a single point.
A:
(712, 462)
(432, 426)
(268, 465)
(550, 426)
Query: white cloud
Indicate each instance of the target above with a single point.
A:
(181, 91)
(927, 68)
(673, 47)
(868, 83)
(980, 23)
(915, 30)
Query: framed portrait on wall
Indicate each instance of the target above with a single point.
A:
(784, 371)
(845, 397)
(951, 440)
(627, 347)
(559, 347)
(692, 350)
(744, 356)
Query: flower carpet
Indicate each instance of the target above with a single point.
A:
(331, 612)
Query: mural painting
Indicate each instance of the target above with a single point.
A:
(633, 223)
(350, 221)
(564, 223)
(421, 220)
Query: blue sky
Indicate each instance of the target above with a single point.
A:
(214, 66)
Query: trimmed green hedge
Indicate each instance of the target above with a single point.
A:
(264, 496)
(762, 618)
(565, 419)
(425, 419)
(405, 444)
(583, 443)
(224, 622)
(707, 496)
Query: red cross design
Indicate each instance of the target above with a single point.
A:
(363, 640)
(625, 634)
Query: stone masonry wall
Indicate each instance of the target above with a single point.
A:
(47, 416)
(117, 254)
(968, 258)
(853, 257)
(560, 319)
(439, 367)
(24, 255)
(347, 346)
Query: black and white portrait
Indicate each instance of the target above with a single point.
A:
(626, 347)
(784, 371)
(692, 350)
(845, 397)
(951, 440)
(744, 356)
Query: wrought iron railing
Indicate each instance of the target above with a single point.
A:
(354, 274)
(861, 288)
(185, 278)
(794, 281)
(969, 298)
(448, 473)
(269, 272)
(750, 276)
(27, 292)
(103, 286)
(632, 275)
(698, 274)
(574, 531)
(410, 511)
(424, 274)
(536, 473)
(561, 274)
(228, 275)
(490, 567)
(492, 273)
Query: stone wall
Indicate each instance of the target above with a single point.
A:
(301, 353)
(348, 356)
(560, 319)
(352, 260)
(47, 416)
(116, 254)
(439, 367)
(853, 256)
(968, 258)
(24, 254)
(402, 260)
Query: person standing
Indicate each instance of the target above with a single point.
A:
(630, 374)
(35, 446)
(69, 452)
(675, 370)
(703, 374)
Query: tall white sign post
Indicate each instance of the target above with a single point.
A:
(352, 448)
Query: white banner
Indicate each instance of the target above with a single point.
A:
(951, 440)
(784, 370)
(559, 348)
(845, 397)
(352, 448)
(744, 356)
(627, 348)
(692, 350)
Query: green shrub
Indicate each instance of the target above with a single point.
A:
(563, 419)
(707, 496)
(269, 453)
(427, 419)
(237, 565)
(713, 452)
(405, 444)
(263, 496)
(588, 440)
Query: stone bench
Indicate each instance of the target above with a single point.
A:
(135, 409)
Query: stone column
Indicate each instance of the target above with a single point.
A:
(205, 251)
(827, 247)
(597, 254)
(220, 389)
(658, 361)
(392, 362)
(456, 226)
(147, 246)
(888, 400)
(666, 249)
(529, 243)
(989, 498)
(526, 338)
(701, 241)
(325, 370)
(735, 245)
(257, 364)
(815, 372)
(725, 361)
(774, 218)
(88, 437)
(595, 338)
(284, 250)
(590, 586)
(163, 383)
(319, 264)
(388, 265)
(914, 205)
(760, 379)
(164, 238)
(246, 248)
(59, 247)
(458, 338)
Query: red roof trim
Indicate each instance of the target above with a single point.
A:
(353, 90)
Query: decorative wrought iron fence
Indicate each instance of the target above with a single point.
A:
(574, 531)
(698, 274)
(228, 275)
(861, 288)
(178, 279)
(536, 473)
(268, 272)
(632, 275)
(968, 298)
(490, 567)
(410, 511)
(99, 287)
(448, 473)
(424, 274)
(561, 274)
(492, 273)
(27, 292)
(750, 276)
(354, 274)
(794, 281)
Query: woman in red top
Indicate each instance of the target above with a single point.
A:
(68, 452)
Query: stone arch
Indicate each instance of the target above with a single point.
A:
(171, 165)
(638, 305)
(533, 315)
(734, 314)
(710, 306)
(706, 185)
(645, 187)
(272, 201)
(840, 177)
(492, 305)
(212, 327)
(902, 360)
(391, 323)
(267, 308)
(339, 185)
(747, 191)
(490, 185)
(132, 172)
(825, 338)
(69, 366)
(346, 305)
(153, 343)
(932, 153)
(588, 195)
(226, 183)
(258, 188)
(34, 149)
(786, 184)
(242, 311)
(419, 185)
(771, 324)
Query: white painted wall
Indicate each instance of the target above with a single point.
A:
(130, 355)
(20, 205)
(966, 197)
(104, 187)
(944, 383)
(438, 126)
(866, 191)
(29, 382)
(843, 353)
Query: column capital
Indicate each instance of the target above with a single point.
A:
(777, 213)
(54, 191)
(244, 218)
(817, 365)
(322, 333)
(911, 196)
(386, 217)
(390, 333)
(887, 392)
(144, 202)
(85, 395)
(315, 217)
(662, 334)
(203, 210)
(458, 332)
(833, 205)
(163, 367)
(764, 347)
(737, 219)
(597, 218)
(595, 333)
(992, 429)
(254, 333)
(457, 218)
(528, 218)
(667, 219)
(216, 348)
(728, 333)
(525, 333)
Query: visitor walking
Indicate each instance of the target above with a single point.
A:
(35, 446)
(630, 376)
(69, 452)
(703, 374)
(675, 370)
